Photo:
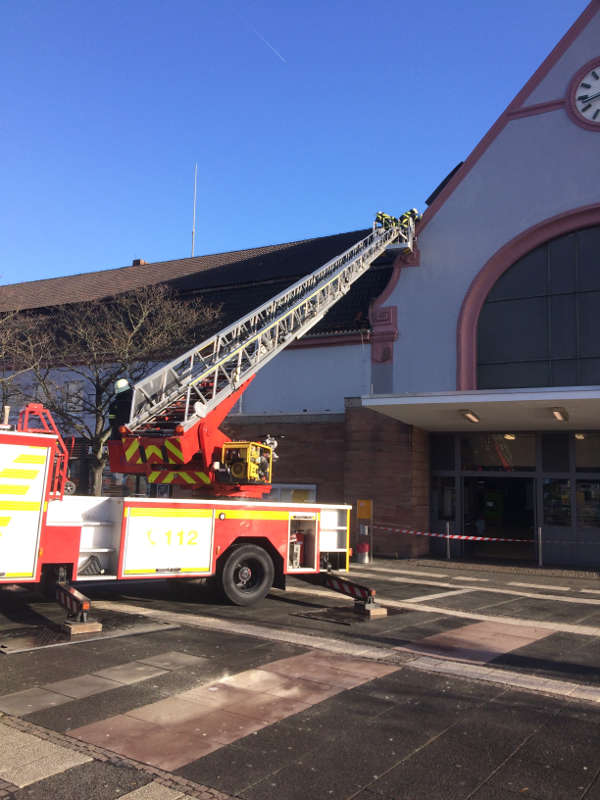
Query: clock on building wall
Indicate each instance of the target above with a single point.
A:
(583, 103)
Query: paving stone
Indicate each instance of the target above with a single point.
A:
(153, 791)
(171, 747)
(41, 768)
(301, 779)
(362, 668)
(84, 712)
(314, 669)
(174, 660)
(232, 769)
(292, 690)
(286, 740)
(170, 711)
(91, 781)
(546, 781)
(447, 769)
(29, 700)
(567, 744)
(495, 791)
(594, 792)
(132, 672)
(266, 708)
(83, 686)
(10, 738)
(216, 695)
(20, 751)
(113, 733)
(586, 693)
(481, 641)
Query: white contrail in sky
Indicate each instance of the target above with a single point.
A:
(269, 45)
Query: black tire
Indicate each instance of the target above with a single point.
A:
(247, 575)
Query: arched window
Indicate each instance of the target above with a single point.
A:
(540, 323)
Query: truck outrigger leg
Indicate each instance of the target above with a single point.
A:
(77, 606)
(364, 596)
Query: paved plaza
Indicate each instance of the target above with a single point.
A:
(480, 683)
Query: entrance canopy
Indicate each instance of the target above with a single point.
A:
(554, 409)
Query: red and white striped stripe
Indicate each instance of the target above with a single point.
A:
(460, 536)
(72, 600)
(348, 587)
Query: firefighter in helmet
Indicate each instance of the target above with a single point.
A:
(384, 220)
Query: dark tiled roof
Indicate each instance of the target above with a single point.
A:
(237, 281)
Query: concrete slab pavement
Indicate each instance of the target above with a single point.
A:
(331, 711)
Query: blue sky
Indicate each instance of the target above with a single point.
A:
(305, 118)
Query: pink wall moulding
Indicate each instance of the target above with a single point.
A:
(384, 323)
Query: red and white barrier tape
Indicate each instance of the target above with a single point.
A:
(460, 536)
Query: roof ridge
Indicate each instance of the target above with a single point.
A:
(248, 250)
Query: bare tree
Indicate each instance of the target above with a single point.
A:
(19, 353)
(90, 345)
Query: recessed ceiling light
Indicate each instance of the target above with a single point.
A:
(580, 436)
(470, 415)
(560, 414)
(510, 436)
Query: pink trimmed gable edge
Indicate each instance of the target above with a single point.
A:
(509, 113)
(466, 333)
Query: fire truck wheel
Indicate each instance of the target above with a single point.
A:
(247, 575)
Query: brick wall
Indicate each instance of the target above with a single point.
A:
(387, 462)
(311, 449)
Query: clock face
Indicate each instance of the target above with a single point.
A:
(586, 96)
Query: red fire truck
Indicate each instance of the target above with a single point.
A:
(242, 541)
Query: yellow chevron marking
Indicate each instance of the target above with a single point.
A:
(30, 459)
(199, 477)
(170, 512)
(131, 449)
(4, 521)
(153, 450)
(24, 474)
(248, 514)
(175, 451)
(7, 488)
(19, 505)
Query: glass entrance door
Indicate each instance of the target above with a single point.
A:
(500, 508)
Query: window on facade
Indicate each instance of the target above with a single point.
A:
(73, 396)
(540, 324)
(441, 452)
(587, 452)
(443, 499)
(496, 452)
(555, 452)
(557, 502)
(588, 504)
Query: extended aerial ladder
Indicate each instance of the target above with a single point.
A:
(173, 435)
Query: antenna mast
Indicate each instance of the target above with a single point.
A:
(194, 219)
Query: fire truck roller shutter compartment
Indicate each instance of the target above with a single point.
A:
(163, 540)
